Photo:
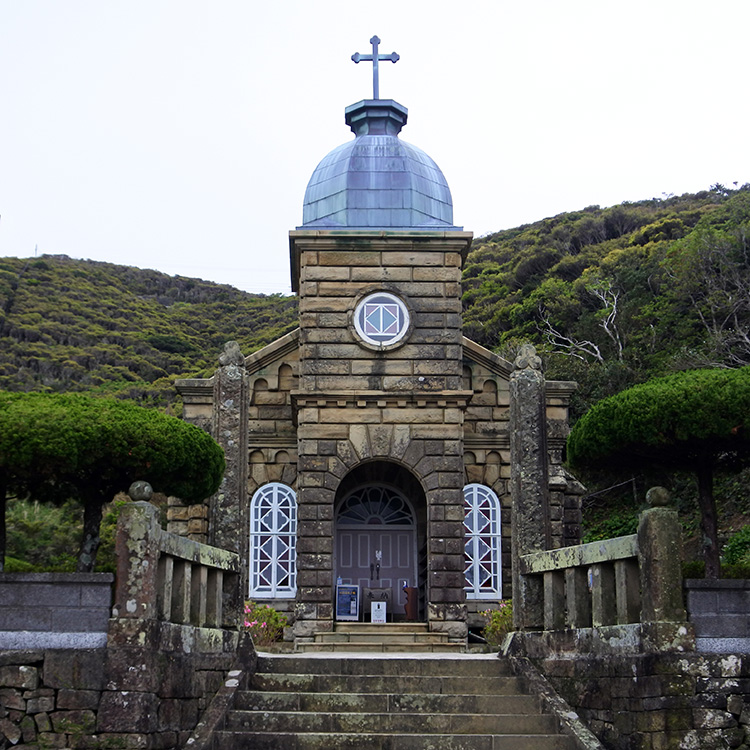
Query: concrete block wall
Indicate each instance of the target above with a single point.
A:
(54, 610)
(719, 611)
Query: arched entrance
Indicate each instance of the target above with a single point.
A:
(380, 539)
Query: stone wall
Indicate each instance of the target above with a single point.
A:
(658, 701)
(54, 610)
(121, 697)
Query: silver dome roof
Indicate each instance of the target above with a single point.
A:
(377, 181)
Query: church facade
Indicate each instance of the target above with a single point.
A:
(371, 446)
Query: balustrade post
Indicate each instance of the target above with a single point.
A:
(198, 596)
(554, 600)
(578, 598)
(603, 607)
(628, 591)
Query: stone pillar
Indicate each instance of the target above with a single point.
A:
(228, 507)
(137, 549)
(529, 485)
(660, 561)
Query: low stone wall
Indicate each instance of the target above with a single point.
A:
(653, 701)
(54, 610)
(124, 696)
(719, 611)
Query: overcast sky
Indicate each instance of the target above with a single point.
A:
(180, 135)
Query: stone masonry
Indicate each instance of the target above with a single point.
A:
(357, 403)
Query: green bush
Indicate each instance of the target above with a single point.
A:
(499, 623)
(264, 623)
(737, 549)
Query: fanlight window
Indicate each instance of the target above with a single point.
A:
(375, 505)
(482, 550)
(273, 542)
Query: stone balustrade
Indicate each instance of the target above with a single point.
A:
(588, 584)
(166, 577)
(626, 581)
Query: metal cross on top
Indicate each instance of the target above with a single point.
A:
(375, 58)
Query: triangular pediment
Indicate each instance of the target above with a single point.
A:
(273, 352)
(479, 355)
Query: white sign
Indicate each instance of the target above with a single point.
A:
(377, 611)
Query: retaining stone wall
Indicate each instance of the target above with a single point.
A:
(121, 697)
(658, 701)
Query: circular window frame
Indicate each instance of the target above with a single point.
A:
(373, 344)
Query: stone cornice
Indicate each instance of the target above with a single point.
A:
(263, 440)
(474, 441)
(559, 388)
(195, 389)
(380, 399)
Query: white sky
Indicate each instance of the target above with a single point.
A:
(180, 135)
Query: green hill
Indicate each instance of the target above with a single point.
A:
(609, 296)
(614, 296)
(82, 325)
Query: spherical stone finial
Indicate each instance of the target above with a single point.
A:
(658, 497)
(140, 490)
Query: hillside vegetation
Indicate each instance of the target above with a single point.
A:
(614, 296)
(79, 325)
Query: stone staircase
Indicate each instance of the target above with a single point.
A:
(398, 702)
(409, 637)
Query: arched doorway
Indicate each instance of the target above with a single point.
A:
(380, 525)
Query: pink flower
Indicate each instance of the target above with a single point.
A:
(247, 624)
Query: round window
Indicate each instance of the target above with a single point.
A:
(381, 319)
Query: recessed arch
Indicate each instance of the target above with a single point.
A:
(380, 526)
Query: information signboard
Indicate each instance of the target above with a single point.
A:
(377, 612)
(347, 601)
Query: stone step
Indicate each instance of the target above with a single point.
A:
(387, 702)
(415, 684)
(411, 741)
(468, 665)
(378, 647)
(382, 638)
(387, 627)
(310, 722)
(397, 702)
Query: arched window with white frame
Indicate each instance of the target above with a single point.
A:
(483, 543)
(273, 542)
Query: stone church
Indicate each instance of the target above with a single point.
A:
(371, 446)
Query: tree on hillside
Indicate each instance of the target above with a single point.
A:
(57, 446)
(696, 421)
(710, 270)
